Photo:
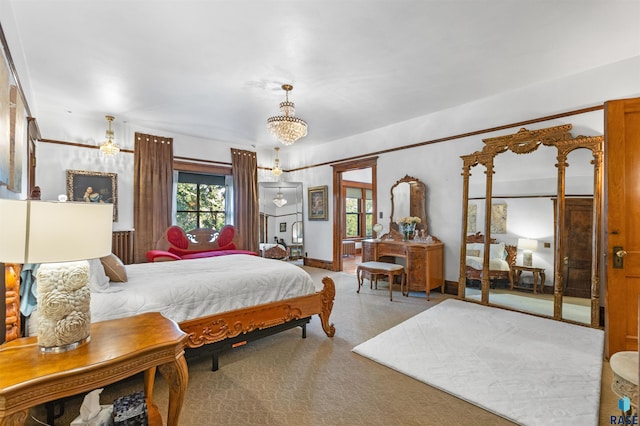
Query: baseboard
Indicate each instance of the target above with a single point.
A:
(318, 263)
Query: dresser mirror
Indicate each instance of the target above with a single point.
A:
(408, 198)
(296, 233)
(537, 190)
(281, 221)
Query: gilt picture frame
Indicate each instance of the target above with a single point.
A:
(318, 206)
(94, 187)
(283, 227)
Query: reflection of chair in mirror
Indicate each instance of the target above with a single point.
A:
(501, 258)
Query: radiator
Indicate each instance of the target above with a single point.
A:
(348, 248)
(122, 246)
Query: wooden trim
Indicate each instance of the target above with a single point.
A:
(185, 166)
(12, 68)
(338, 201)
(459, 136)
(198, 160)
(79, 145)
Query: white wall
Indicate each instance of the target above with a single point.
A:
(438, 165)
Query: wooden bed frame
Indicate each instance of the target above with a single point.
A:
(475, 274)
(276, 252)
(260, 319)
(226, 325)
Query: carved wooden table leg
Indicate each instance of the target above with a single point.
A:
(177, 376)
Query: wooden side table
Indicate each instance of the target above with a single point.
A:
(118, 349)
(516, 273)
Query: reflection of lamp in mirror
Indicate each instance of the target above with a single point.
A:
(528, 247)
(279, 200)
(60, 237)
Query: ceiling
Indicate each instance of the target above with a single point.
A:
(213, 69)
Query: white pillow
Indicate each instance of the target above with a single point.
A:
(98, 279)
(496, 251)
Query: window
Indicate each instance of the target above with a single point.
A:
(200, 201)
(359, 212)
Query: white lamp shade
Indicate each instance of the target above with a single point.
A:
(45, 231)
(527, 244)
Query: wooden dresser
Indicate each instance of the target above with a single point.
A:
(424, 262)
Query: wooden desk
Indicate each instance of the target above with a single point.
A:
(424, 262)
(516, 273)
(118, 349)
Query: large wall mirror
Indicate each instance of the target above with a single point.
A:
(281, 208)
(531, 224)
(408, 198)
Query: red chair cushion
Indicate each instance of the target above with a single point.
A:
(161, 255)
(177, 237)
(216, 253)
(226, 236)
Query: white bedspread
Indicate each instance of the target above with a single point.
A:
(188, 289)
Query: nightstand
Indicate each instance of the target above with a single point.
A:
(516, 274)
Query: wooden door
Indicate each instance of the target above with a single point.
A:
(576, 259)
(622, 152)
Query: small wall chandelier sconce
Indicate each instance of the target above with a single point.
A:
(109, 148)
(287, 128)
(276, 170)
(279, 200)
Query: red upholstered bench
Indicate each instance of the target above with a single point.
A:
(176, 244)
(217, 253)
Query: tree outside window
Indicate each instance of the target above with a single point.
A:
(359, 213)
(200, 201)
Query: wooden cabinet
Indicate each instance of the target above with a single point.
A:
(424, 262)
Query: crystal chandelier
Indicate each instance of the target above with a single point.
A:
(279, 200)
(276, 170)
(287, 128)
(109, 148)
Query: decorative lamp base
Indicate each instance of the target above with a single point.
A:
(64, 317)
(527, 258)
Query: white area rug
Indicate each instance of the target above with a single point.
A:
(531, 370)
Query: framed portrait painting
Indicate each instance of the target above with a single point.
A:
(318, 207)
(93, 187)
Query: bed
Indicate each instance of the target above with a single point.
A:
(501, 257)
(274, 251)
(215, 299)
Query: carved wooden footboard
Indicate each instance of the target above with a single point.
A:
(216, 328)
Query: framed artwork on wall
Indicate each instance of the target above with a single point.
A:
(93, 187)
(499, 218)
(318, 207)
(283, 227)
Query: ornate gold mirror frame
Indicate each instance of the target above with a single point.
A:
(524, 142)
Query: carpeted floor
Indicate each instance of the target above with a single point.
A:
(286, 380)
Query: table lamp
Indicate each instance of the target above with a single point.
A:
(61, 237)
(528, 247)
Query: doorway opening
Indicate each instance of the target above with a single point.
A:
(354, 212)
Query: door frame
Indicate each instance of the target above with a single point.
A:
(338, 201)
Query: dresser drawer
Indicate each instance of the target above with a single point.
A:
(390, 249)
